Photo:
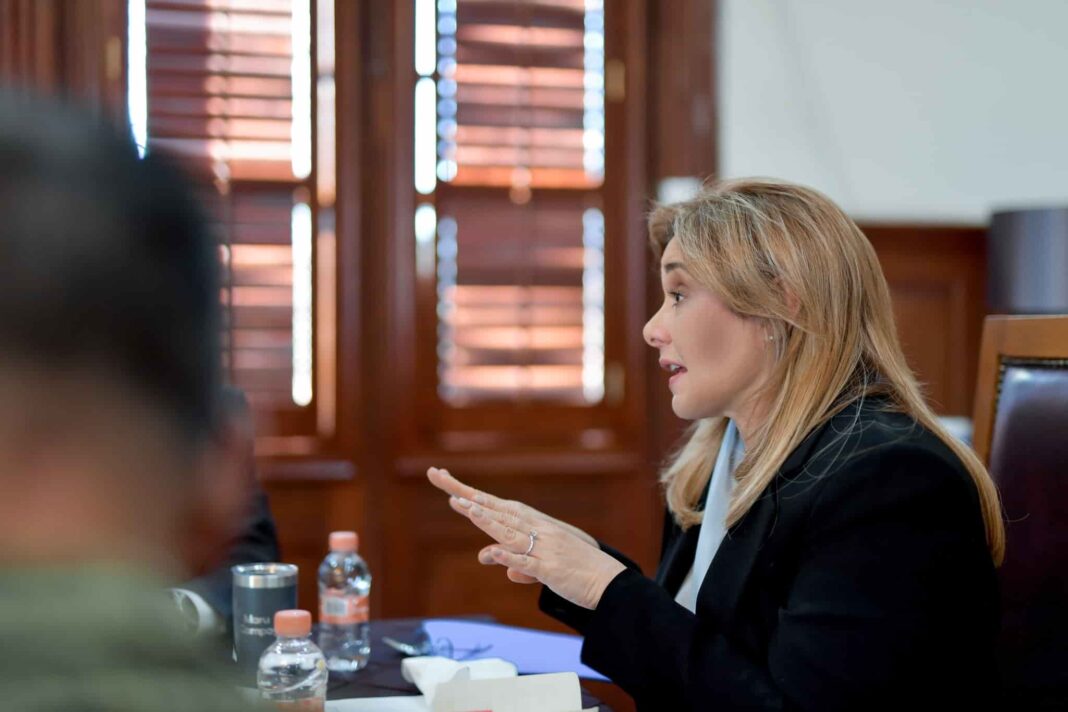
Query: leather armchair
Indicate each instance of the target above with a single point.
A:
(1021, 431)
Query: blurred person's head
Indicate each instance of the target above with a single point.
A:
(234, 480)
(778, 313)
(109, 349)
(237, 428)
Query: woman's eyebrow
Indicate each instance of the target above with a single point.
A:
(671, 266)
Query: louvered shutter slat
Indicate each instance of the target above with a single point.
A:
(514, 321)
(220, 99)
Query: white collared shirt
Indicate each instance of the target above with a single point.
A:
(714, 524)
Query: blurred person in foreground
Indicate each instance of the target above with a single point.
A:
(113, 480)
(827, 544)
(206, 601)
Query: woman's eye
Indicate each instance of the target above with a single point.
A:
(675, 297)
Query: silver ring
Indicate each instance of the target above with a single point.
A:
(533, 537)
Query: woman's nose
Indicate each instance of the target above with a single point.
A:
(653, 333)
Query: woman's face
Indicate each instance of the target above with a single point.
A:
(718, 360)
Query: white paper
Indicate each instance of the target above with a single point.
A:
(388, 704)
(414, 703)
(492, 684)
(557, 692)
(428, 672)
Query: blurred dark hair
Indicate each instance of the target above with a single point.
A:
(234, 403)
(235, 410)
(106, 264)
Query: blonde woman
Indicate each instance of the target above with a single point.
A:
(827, 546)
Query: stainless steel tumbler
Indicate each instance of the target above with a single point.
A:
(260, 591)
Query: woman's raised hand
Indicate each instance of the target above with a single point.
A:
(533, 546)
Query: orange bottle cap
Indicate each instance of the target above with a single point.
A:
(344, 541)
(292, 623)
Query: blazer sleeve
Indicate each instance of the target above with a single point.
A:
(887, 560)
(568, 613)
(256, 541)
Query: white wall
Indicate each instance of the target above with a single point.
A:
(918, 110)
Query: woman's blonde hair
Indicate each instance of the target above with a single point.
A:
(789, 256)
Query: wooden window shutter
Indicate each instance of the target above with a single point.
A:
(222, 100)
(519, 175)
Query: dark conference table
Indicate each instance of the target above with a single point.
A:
(382, 676)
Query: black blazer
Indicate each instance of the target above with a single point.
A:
(861, 580)
(255, 542)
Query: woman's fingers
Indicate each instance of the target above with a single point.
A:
(519, 565)
(449, 484)
(510, 517)
(485, 557)
(503, 526)
(462, 506)
(565, 559)
(514, 514)
(505, 534)
(516, 576)
(444, 481)
(466, 507)
(507, 522)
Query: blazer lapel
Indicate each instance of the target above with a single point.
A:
(678, 560)
(736, 556)
(733, 562)
(679, 552)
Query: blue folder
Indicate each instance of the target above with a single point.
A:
(531, 651)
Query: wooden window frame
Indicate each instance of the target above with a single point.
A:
(612, 426)
(290, 431)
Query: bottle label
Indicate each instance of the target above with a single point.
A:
(339, 608)
(314, 704)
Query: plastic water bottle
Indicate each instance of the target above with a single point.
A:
(344, 589)
(292, 671)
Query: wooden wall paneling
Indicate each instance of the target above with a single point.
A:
(682, 75)
(682, 112)
(306, 511)
(74, 48)
(937, 278)
(641, 538)
(403, 400)
(94, 53)
(31, 44)
(385, 134)
(352, 433)
(327, 489)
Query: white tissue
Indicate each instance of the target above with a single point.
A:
(489, 684)
(427, 672)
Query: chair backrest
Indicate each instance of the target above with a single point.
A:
(1021, 433)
